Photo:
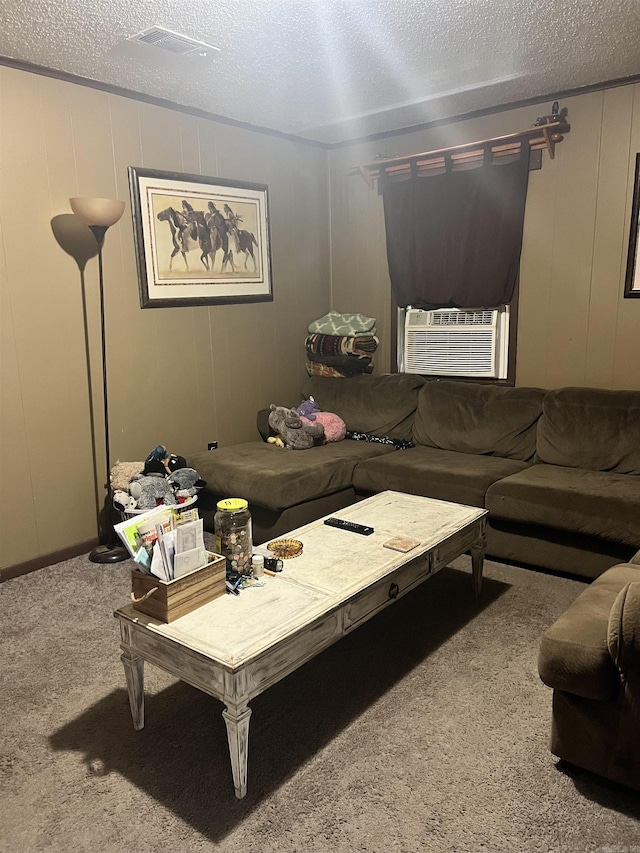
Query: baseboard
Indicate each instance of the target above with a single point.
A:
(45, 560)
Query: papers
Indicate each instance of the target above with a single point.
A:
(165, 542)
(190, 552)
(140, 531)
(188, 561)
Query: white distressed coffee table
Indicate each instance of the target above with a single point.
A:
(235, 647)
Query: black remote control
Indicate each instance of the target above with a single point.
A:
(349, 525)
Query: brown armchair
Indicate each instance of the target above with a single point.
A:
(591, 658)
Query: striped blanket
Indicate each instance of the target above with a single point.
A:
(341, 345)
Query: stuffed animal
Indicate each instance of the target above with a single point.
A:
(174, 462)
(291, 429)
(154, 467)
(335, 428)
(159, 461)
(159, 453)
(151, 491)
(185, 482)
(308, 409)
(123, 472)
(123, 501)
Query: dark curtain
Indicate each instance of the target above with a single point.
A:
(454, 239)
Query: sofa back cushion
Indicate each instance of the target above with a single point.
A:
(591, 428)
(379, 405)
(483, 419)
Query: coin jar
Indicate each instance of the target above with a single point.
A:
(232, 530)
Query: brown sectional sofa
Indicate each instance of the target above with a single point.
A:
(559, 471)
(590, 657)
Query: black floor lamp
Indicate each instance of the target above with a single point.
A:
(99, 214)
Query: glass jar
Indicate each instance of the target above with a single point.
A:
(232, 530)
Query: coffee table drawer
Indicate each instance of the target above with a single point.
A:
(385, 592)
(455, 546)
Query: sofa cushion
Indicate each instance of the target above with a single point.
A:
(484, 419)
(623, 634)
(595, 503)
(380, 405)
(573, 654)
(591, 428)
(434, 473)
(276, 479)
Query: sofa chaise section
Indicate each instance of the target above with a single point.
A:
(584, 485)
(288, 488)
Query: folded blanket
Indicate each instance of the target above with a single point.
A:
(341, 345)
(314, 368)
(317, 368)
(334, 323)
(349, 365)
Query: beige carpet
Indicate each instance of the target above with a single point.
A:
(425, 730)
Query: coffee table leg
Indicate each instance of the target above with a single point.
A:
(134, 673)
(237, 720)
(477, 561)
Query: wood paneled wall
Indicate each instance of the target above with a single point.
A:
(177, 376)
(183, 376)
(575, 327)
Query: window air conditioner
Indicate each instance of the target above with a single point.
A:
(456, 342)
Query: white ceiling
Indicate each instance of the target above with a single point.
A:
(332, 70)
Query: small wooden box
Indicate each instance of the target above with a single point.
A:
(172, 599)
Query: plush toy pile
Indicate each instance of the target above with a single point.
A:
(335, 428)
(341, 345)
(304, 427)
(291, 431)
(163, 478)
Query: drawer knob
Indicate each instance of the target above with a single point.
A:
(394, 589)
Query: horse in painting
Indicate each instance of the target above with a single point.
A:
(183, 233)
(245, 240)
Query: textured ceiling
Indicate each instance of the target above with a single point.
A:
(333, 70)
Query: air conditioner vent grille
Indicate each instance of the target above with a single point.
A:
(463, 318)
(175, 43)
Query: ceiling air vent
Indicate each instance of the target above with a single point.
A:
(172, 42)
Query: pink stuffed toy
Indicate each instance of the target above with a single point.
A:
(335, 428)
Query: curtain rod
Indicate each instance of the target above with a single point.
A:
(544, 134)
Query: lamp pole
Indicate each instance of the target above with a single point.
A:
(99, 215)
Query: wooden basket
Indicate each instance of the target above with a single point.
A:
(168, 600)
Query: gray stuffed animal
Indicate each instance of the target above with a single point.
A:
(296, 434)
(185, 481)
(152, 490)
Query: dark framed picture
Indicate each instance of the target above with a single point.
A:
(632, 280)
(199, 240)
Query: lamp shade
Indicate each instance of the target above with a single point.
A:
(97, 211)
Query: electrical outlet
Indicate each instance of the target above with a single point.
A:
(213, 445)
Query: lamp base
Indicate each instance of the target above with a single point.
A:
(109, 554)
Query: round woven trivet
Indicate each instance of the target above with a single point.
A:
(285, 549)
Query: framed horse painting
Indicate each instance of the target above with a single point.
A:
(199, 240)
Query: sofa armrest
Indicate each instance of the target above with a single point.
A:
(623, 633)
